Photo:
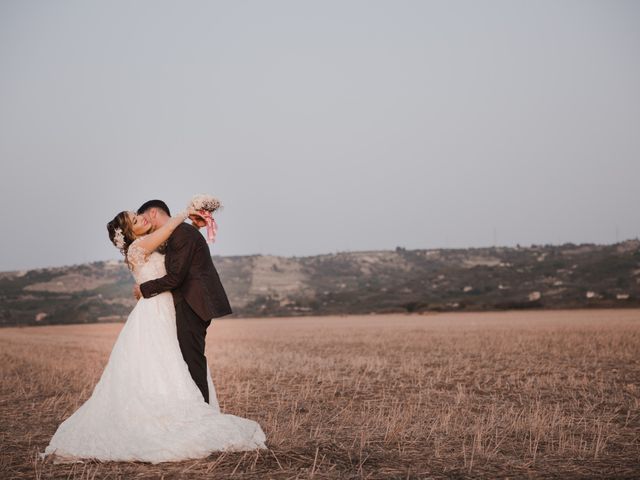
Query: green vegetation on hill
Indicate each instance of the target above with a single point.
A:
(564, 276)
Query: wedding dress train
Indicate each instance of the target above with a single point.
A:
(146, 407)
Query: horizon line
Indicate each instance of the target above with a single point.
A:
(486, 247)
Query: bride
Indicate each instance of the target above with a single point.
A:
(146, 406)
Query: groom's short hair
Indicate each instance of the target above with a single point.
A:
(154, 204)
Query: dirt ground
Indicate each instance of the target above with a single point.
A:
(553, 394)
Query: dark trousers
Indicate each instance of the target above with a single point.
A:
(191, 333)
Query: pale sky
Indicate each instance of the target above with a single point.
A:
(322, 126)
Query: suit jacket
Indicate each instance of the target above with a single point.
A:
(191, 275)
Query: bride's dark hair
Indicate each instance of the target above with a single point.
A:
(121, 221)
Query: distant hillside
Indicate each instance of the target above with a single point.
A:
(566, 276)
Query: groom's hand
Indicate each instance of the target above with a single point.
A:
(136, 292)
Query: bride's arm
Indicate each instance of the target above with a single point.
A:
(153, 240)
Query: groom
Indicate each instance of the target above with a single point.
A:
(192, 278)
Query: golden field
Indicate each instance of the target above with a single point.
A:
(458, 395)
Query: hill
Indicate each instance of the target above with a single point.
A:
(545, 276)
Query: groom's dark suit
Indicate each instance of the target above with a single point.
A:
(198, 295)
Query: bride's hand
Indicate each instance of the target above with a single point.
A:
(196, 218)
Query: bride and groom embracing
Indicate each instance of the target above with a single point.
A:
(156, 401)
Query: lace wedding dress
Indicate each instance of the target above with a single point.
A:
(146, 407)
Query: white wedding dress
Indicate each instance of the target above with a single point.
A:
(146, 407)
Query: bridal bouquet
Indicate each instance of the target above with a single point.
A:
(206, 205)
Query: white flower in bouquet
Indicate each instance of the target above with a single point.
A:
(205, 202)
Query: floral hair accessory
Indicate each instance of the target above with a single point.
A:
(118, 238)
(206, 205)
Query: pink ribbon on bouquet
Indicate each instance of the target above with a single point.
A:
(212, 227)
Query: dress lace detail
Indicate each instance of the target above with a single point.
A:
(146, 266)
(136, 254)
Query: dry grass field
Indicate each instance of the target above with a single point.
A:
(552, 394)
